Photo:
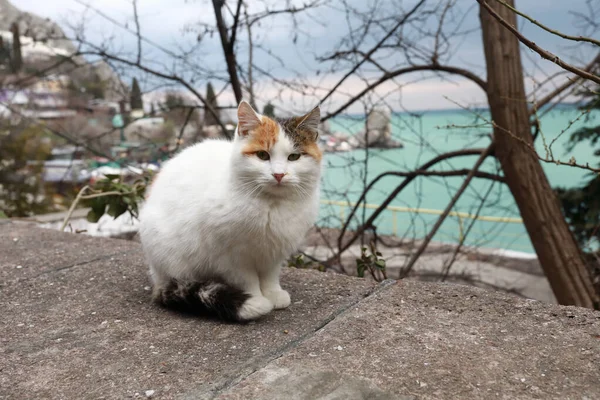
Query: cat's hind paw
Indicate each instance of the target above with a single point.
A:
(255, 307)
(280, 298)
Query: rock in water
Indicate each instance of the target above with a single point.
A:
(378, 131)
(379, 125)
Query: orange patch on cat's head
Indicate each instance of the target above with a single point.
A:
(313, 150)
(263, 137)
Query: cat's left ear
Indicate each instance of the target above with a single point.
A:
(248, 119)
(310, 122)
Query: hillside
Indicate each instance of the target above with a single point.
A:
(34, 26)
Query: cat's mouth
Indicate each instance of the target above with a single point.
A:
(279, 183)
(278, 187)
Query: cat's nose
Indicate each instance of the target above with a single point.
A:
(278, 177)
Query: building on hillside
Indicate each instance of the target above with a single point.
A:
(31, 49)
(41, 98)
(51, 84)
(136, 114)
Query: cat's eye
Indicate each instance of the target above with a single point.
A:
(263, 155)
(294, 156)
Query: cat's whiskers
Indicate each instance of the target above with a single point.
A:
(250, 189)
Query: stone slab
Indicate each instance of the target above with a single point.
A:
(414, 340)
(81, 324)
(27, 252)
(77, 322)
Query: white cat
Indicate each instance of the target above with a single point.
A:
(222, 216)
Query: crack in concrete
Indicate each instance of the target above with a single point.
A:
(253, 366)
(77, 264)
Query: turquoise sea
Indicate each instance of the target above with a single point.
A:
(425, 135)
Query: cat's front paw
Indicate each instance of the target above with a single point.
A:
(255, 307)
(279, 297)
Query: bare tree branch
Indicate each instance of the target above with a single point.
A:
(569, 83)
(431, 67)
(547, 29)
(234, 27)
(137, 32)
(440, 221)
(250, 61)
(409, 178)
(228, 47)
(187, 120)
(543, 53)
(174, 78)
(374, 49)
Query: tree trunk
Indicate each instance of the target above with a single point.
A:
(557, 250)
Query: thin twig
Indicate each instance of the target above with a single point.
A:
(415, 256)
(228, 48)
(374, 49)
(187, 119)
(72, 208)
(542, 52)
(250, 61)
(408, 179)
(174, 78)
(570, 82)
(416, 68)
(547, 29)
(137, 31)
(465, 234)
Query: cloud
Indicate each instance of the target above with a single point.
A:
(163, 21)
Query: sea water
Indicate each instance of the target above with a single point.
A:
(426, 135)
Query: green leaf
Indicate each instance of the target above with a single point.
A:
(93, 217)
(378, 254)
(360, 271)
(2, 215)
(116, 208)
(112, 177)
(98, 206)
(380, 263)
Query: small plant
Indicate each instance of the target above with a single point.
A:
(112, 196)
(115, 197)
(373, 262)
(298, 261)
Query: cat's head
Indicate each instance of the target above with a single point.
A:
(279, 157)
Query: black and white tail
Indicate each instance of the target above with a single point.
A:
(212, 297)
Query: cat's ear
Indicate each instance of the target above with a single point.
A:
(310, 122)
(248, 119)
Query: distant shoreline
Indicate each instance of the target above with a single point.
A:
(458, 109)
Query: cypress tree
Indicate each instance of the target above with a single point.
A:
(4, 53)
(136, 96)
(17, 59)
(269, 110)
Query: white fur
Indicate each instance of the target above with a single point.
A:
(215, 211)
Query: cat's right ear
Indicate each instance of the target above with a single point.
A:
(248, 119)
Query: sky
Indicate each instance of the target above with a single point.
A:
(174, 24)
